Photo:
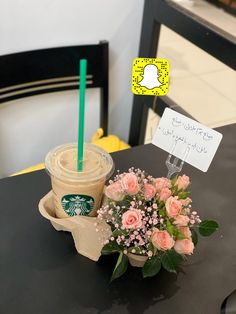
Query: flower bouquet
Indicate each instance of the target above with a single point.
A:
(152, 221)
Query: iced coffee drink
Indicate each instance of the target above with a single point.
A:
(78, 193)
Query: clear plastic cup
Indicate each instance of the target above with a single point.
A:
(78, 193)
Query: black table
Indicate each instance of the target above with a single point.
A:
(41, 271)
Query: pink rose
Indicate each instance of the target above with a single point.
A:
(114, 191)
(181, 220)
(162, 240)
(164, 194)
(182, 182)
(184, 246)
(132, 219)
(149, 191)
(185, 232)
(130, 184)
(162, 183)
(173, 206)
(186, 201)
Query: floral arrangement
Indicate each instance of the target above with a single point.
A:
(152, 221)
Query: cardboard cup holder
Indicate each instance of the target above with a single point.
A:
(89, 233)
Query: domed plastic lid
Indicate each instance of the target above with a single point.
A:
(61, 162)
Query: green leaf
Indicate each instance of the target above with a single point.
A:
(162, 212)
(179, 235)
(170, 228)
(194, 237)
(171, 261)
(174, 190)
(121, 266)
(207, 227)
(151, 267)
(152, 248)
(116, 233)
(110, 248)
(173, 230)
(125, 202)
(183, 195)
(173, 180)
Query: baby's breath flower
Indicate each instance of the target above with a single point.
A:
(154, 221)
(149, 253)
(141, 242)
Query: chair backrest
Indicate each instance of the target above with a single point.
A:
(55, 69)
(31, 126)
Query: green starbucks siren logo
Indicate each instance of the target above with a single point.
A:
(74, 204)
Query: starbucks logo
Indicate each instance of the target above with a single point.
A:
(74, 204)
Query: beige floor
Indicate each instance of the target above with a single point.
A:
(200, 84)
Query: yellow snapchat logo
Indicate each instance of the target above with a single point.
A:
(150, 76)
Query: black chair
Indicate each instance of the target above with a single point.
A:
(198, 31)
(42, 71)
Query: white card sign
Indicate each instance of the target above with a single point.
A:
(177, 133)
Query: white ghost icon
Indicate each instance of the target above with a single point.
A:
(150, 77)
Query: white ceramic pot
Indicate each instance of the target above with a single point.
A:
(137, 260)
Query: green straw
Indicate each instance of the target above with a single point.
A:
(83, 71)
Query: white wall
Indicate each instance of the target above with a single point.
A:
(26, 25)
